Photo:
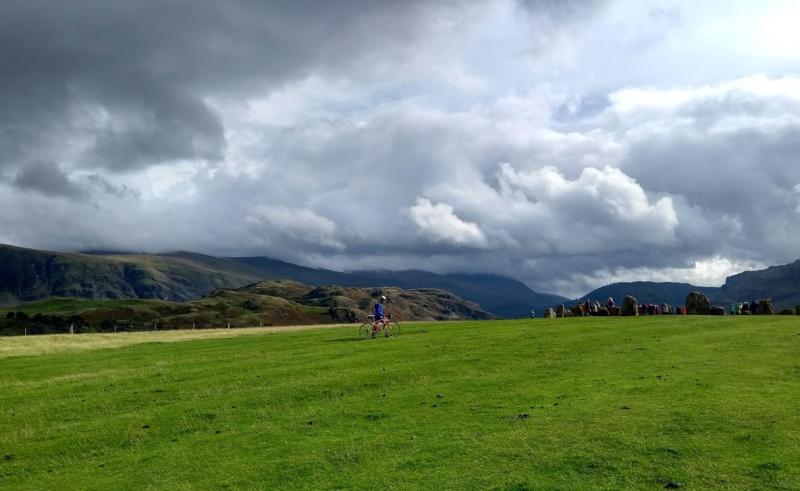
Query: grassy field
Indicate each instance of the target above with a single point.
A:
(704, 402)
(15, 346)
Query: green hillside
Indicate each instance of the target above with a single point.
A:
(782, 283)
(270, 303)
(499, 295)
(28, 275)
(601, 403)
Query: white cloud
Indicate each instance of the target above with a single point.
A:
(439, 223)
(601, 210)
(710, 271)
(301, 224)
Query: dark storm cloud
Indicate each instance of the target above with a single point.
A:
(563, 10)
(50, 180)
(135, 76)
(95, 182)
(47, 179)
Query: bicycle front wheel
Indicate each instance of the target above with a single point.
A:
(392, 329)
(365, 330)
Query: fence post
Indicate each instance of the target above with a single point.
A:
(229, 325)
(192, 326)
(72, 328)
(26, 331)
(115, 328)
(155, 326)
(260, 324)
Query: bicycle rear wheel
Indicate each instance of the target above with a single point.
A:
(365, 330)
(392, 329)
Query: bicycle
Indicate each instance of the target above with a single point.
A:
(368, 330)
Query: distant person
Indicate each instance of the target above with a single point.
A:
(380, 317)
(533, 314)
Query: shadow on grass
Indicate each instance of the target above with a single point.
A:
(379, 337)
(345, 340)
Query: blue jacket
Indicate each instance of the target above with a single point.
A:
(379, 311)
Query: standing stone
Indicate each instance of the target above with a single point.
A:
(630, 306)
(697, 304)
(717, 311)
(765, 307)
(549, 313)
(561, 311)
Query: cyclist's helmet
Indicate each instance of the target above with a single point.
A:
(383, 297)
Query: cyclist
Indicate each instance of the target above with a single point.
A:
(380, 317)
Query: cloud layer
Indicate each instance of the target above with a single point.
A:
(566, 144)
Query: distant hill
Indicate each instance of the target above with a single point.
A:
(503, 296)
(500, 295)
(648, 292)
(781, 283)
(265, 303)
(28, 275)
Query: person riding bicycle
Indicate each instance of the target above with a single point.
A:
(380, 316)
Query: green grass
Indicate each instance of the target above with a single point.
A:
(77, 305)
(611, 403)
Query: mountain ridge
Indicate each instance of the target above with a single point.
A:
(28, 275)
(780, 283)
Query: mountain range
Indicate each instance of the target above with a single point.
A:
(779, 283)
(28, 275)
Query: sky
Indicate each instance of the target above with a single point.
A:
(567, 144)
